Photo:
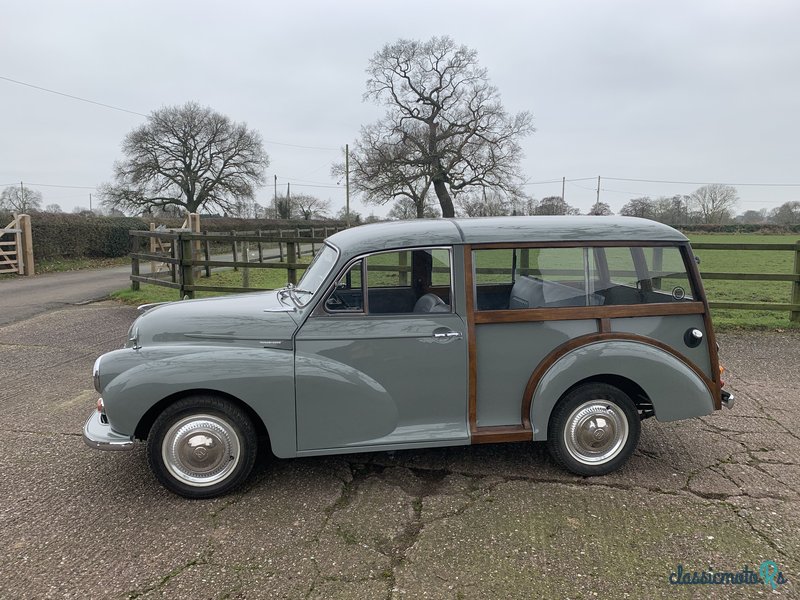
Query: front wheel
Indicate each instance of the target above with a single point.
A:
(593, 429)
(202, 446)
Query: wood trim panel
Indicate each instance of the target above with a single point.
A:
(569, 313)
(604, 325)
(550, 360)
(697, 284)
(503, 433)
(472, 350)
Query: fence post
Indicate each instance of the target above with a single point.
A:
(280, 246)
(260, 248)
(246, 270)
(402, 274)
(194, 227)
(795, 314)
(291, 257)
(152, 248)
(26, 251)
(235, 255)
(207, 250)
(299, 247)
(136, 244)
(186, 267)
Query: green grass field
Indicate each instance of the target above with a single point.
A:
(747, 261)
(711, 261)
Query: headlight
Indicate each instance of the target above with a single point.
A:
(96, 374)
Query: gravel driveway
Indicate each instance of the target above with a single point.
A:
(498, 521)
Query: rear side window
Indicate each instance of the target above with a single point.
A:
(520, 278)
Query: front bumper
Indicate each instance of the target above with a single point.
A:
(99, 435)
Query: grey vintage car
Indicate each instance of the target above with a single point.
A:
(402, 335)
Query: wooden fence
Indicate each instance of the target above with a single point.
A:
(184, 260)
(189, 254)
(793, 306)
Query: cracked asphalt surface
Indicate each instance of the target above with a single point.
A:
(497, 521)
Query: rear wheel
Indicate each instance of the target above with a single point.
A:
(202, 446)
(594, 429)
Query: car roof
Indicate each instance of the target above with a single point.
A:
(482, 230)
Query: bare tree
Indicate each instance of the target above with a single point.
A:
(554, 205)
(485, 205)
(444, 127)
(750, 217)
(639, 207)
(53, 208)
(787, 213)
(405, 208)
(715, 202)
(355, 217)
(190, 157)
(20, 199)
(307, 206)
(600, 209)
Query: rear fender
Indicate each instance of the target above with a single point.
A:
(676, 390)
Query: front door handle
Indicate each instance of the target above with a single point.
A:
(446, 333)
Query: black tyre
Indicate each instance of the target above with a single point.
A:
(593, 429)
(202, 446)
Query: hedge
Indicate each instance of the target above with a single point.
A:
(67, 235)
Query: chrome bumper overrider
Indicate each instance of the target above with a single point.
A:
(99, 435)
(727, 399)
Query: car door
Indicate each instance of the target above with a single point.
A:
(382, 361)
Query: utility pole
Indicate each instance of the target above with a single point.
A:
(563, 183)
(275, 197)
(347, 183)
(22, 197)
(598, 189)
(288, 201)
(90, 202)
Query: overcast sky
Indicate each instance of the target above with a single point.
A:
(680, 91)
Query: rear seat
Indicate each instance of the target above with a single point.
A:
(532, 292)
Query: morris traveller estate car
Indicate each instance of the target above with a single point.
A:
(416, 334)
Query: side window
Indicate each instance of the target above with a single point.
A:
(522, 278)
(398, 282)
(637, 275)
(669, 280)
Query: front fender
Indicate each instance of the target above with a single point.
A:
(262, 378)
(675, 390)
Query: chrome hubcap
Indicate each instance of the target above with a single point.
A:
(596, 432)
(201, 450)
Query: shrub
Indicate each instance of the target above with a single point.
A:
(67, 235)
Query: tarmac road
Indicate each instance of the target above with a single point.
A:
(24, 297)
(496, 521)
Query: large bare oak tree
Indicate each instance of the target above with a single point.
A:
(444, 127)
(189, 157)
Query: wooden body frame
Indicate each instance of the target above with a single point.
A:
(601, 314)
